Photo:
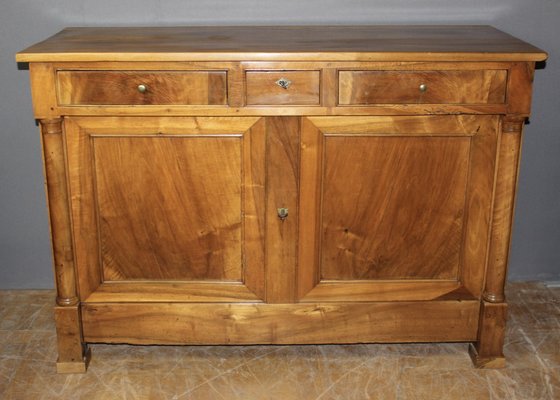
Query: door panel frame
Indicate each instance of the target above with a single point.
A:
(483, 134)
(79, 134)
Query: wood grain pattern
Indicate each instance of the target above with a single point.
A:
(329, 86)
(121, 87)
(59, 213)
(235, 84)
(169, 208)
(154, 209)
(382, 290)
(520, 84)
(254, 208)
(487, 351)
(45, 79)
(359, 43)
(73, 355)
(300, 323)
(393, 207)
(43, 90)
(478, 204)
(504, 205)
(86, 240)
(273, 110)
(263, 90)
(311, 162)
(201, 125)
(411, 125)
(335, 65)
(282, 144)
(479, 135)
(176, 291)
(448, 87)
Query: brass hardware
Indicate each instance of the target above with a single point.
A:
(282, 213)
(284, 83)
(142, 88)
(423, 87)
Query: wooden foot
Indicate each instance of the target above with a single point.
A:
(487, 352)
(486, 362)
(74, 367)
(73, 354)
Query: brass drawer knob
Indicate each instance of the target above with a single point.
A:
(423, 87)
(142, 88)
(284, 83)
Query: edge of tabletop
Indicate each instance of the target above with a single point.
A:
(24, 56)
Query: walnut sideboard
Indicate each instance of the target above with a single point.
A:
(280, 185)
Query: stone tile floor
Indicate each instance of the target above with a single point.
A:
(376, 371)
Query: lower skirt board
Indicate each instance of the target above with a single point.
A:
(258, 323)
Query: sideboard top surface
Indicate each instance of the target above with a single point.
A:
(286, 43)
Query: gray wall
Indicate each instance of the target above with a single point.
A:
(24, 247)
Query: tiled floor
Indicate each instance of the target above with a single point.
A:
(419, 371)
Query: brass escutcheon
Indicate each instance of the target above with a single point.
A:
(282, 213)
(284, 83)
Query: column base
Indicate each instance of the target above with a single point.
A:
(74, 367)
(487, 352)
(495, 362)
(73, 353)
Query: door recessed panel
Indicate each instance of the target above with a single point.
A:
(393, 207)
(169, 208)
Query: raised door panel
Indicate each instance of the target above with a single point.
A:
(168, 209)
(395, 208)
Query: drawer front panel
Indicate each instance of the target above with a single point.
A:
(399, 87)
(283, 87)
(141, 88)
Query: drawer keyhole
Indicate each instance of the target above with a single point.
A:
(284, 83)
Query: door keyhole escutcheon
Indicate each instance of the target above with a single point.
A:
(282, 213)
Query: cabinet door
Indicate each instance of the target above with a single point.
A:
(167, 209)
(395, 208)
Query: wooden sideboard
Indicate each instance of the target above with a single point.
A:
(280, 185)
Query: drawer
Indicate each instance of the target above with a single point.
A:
(141, 87)
(445, 87)
(283, 88)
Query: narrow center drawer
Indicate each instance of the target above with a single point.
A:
(283, 88)
(417, 87)
(142, 87)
